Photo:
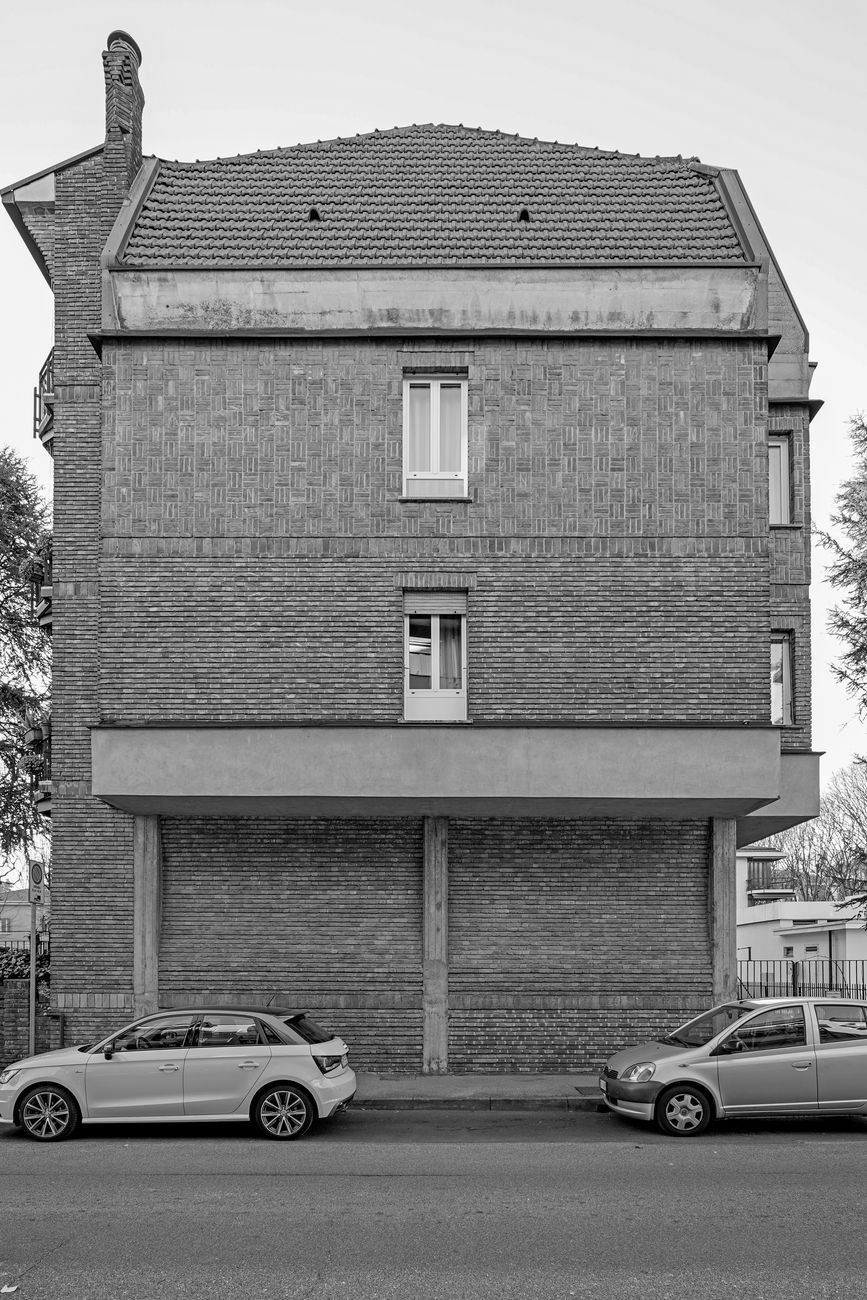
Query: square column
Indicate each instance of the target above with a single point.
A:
(435, 945)
(147, 907)
(722, 902)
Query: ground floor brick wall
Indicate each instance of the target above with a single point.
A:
(567, 938)
(323, 916)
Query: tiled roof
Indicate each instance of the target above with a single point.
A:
(431, 195)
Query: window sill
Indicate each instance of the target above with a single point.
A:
(435, 722)
(791, 528)
(437, 500)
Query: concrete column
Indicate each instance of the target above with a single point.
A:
(147, 906)
(435, 945)
(722, 901)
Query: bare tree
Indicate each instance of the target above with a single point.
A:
(826, 858)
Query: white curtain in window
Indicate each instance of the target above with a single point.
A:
(450, 428)
(450, 652)
(419, 428)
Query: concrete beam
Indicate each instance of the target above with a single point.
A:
(147, 908)
(436, 945)
(441, 770)
(573, 300)
(722, 898)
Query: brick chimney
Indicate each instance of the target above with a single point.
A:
(124, 101)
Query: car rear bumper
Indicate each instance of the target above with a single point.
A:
(335, 1094)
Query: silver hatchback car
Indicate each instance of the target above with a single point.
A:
(276, 1068)
(772, 1056)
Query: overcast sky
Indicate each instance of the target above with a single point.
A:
(774, 88)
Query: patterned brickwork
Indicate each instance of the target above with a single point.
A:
(610, 639)
(554, 940)
(566, 438)
(91, 955)
(326, 915)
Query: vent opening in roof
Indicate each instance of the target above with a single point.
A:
(313, 215)
(524, 214)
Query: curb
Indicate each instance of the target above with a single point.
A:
(594, 1103)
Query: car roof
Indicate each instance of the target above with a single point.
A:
(283, 1013)
(796, 997)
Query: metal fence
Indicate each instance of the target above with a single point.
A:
(815, 978)
(43, 944)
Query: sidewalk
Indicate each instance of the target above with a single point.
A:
(477, 1092)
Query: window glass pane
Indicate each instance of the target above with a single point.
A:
(450, 652)
(155, 1035)
(839, 1023)
(419, 652)
(450, 428)
(775, 456)
(781, 682)
(419, 428)
(779, 503)
(782, 1027)
(230, 1030)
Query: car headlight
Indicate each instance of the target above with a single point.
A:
(639, 1073)
(8, 1075)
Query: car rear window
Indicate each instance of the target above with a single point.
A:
(308, 1030)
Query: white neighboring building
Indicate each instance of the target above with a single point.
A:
(772, 925)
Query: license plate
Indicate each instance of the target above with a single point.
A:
(603, 1086)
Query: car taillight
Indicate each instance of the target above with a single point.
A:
(329, 1063)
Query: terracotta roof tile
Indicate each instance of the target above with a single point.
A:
(445, 195)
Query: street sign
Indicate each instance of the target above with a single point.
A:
(36, 882)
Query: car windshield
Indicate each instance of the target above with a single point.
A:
(306, 1029)
(695, 1033)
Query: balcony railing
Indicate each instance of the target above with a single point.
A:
(43, 405)
(39, 573)
(38, 737)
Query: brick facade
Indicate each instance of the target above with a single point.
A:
(231, 546)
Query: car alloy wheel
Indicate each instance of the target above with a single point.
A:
(283, 1112)
(48, 1114)
(682, 1111)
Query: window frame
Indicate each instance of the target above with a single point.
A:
(784, 639)
(434, 704)
(781, 445)
(414, 481)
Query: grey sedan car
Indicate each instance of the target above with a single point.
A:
(770, 1056)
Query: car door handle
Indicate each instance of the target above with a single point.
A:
(169, 1067)
(802, 1065)
(248, 1065)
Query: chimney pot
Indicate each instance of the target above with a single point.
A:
(124, 38)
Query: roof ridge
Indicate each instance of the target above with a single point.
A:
(590, 151)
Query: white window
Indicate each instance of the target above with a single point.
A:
(781, 679)
(435, 656)
(434, 436)
(780, 494)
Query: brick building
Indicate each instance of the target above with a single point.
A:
(430, 583)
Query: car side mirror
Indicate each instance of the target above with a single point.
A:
(108, 1051)
(733, 1044)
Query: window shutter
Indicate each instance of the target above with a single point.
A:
(434, 602)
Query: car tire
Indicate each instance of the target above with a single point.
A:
(48, 1113)
(283, 1111)
(683, 1110)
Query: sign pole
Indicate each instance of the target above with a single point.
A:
(36, 885)
(32, 979)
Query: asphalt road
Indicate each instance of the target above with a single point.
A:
(447, 1205)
